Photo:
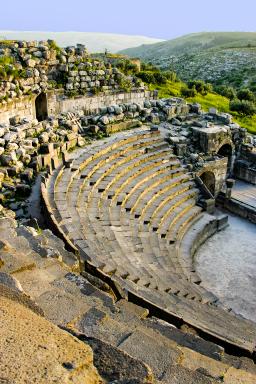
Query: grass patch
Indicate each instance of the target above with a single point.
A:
(211, 100)
(171, 88)
(246, 122)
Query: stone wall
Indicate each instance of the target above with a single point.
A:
(237, 207)
(24, 107)
(212, 138)
(92, 104)
(28, 68)
(219, 168)
(243, 171)
(245, 166)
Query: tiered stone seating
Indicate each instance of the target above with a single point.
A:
(128, 206)
(123, 336)
(120, 176)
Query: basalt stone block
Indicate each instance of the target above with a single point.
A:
(47, 148)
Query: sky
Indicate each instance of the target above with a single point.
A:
(163, 19)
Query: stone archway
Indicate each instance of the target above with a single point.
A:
(226, 150)
(41, 107)
(208, 178)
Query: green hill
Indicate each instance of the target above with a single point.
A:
(217, 57)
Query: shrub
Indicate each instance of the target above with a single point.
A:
(95, 91)
(171, 75)
(245, 94)
(125, 84)
(127, 67)
(146, 77)
(200, 86)
(148, 67)
(226, 91)
(243, 107)
(53, 45)
(188, 92)
(160, 78)
(5, 60)
(2, 72)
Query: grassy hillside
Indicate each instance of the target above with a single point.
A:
(95, 42)
(210, 100)
(219, 57)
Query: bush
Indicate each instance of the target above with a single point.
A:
(148, 67)
(5, 60)
(146, 77)
(160, 78)
(200, 86)
(188, 92)
(127, 67)
(243, 107)
(245, 94)
(226, 91)
(171, 75)
(153, 77)
(53, 45)
(125, 84)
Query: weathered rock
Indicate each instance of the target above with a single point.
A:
(9, 158)
(48, 353)
(118, 366)
(10, 281)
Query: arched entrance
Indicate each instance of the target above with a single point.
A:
(226, 151)
(41, 107)
(208, 178)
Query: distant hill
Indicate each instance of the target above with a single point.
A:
(218, 57)
(95, 42)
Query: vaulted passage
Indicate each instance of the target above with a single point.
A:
(226, 151)
(41, 107)
(208, 179)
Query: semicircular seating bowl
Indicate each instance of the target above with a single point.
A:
(130, 207)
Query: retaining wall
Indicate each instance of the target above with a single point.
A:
(24, 107)
(237, 207)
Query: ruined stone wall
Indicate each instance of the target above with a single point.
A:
(93, 104)
(33, 67)
(211, 139)
(219, 168)
(23, 107)
(245, 166)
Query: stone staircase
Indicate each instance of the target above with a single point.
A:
(129, 208)
(129, 346)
